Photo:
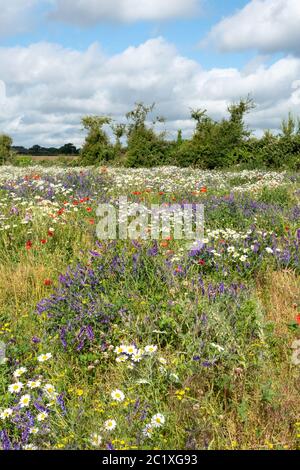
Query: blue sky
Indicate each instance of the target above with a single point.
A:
(185, 33)
(59, 61)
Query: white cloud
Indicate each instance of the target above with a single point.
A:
(88, 12)
(46, 88)
(264, 25)
(15, 16)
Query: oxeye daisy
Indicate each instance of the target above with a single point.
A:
(16, 387)
(110, 425)
(158, 420)
(6, 413)
(29, 447)
(151, 349)
(33, 384)
(162, 360)
(131, 350)
(24, 401)
(33, 430)
(148, 430)
(44, 357)
(137, 357)
(122, 358)
(49, 389)
(42, 416)
(96, 440)
(117, 395)
(120, 349)
(19, 372)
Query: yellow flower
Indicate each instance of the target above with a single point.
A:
(79, 392)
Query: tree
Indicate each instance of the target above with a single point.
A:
(119, 131)
(97, 147)
(5, 148)
(68, 149)
(214, 142)
(145, 146)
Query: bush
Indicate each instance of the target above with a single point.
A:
(5, 148)
(97, 148)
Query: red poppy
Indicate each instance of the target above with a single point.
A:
(136, 193)
(89, 209)
(43, 241)
(47, 282)
(75, 203)
(60, 212)
(201, 262)
(178, 269)
(298, 319)
(203, 190)
(287, 228)
(50, 233)
(161, 193)
(28, 245)
(164, 244)
(92, 221)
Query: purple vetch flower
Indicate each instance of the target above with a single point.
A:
(35, 340)
(63, 333)
(61, 402)
(5, 441)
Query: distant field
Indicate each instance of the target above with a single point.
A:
(39, 158)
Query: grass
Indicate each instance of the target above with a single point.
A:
(222, 375)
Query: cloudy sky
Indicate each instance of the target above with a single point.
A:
(61, 59)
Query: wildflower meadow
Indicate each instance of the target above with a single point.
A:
(145, 343)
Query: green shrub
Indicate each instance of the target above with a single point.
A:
(5, 148)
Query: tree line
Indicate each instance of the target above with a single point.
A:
(214, 144)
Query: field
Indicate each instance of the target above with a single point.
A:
(144, 344)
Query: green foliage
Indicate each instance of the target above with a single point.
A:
(23, 161)
(5, 148)
(97, 148)
(213, 142)
(146, 148)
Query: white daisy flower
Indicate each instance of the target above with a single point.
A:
(122, 358)
(151, 349)
(19, 372)
(137, 357)
(42, 416)
(120, 349)
(131, 350)
(117, 395)
(24, 401)
(44, 357)
(33, 384)
(33, 430)
(148, 430)
(49, 389)
(16, 387)
(96, 440)
(158, 420)
(6, 413)
(110, 425)
(162, 360)
(29, 447)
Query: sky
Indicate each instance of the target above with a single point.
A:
(62, 59)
